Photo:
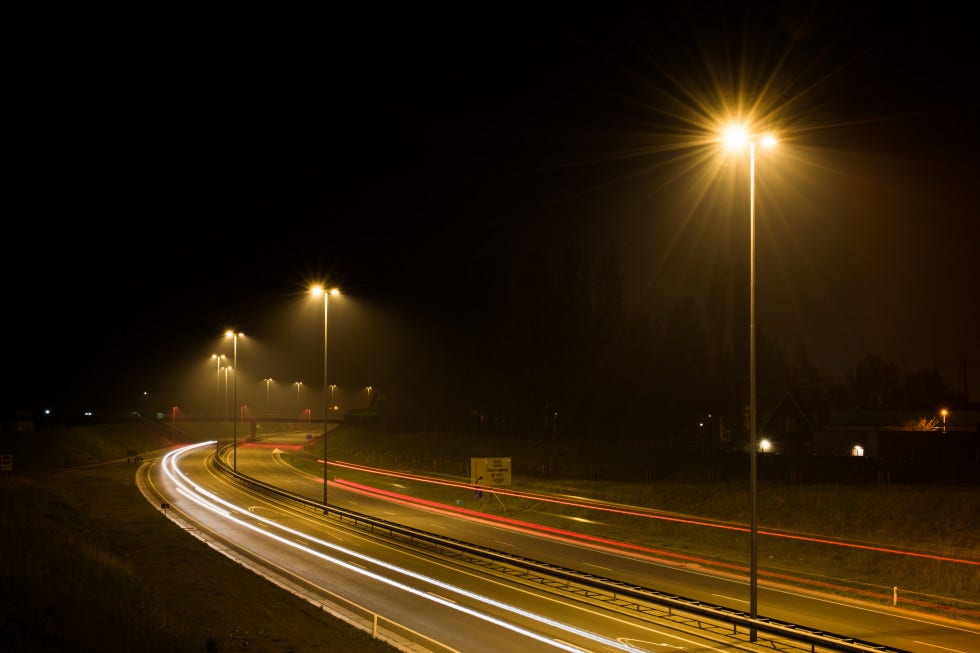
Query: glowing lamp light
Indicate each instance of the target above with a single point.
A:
(736, 137)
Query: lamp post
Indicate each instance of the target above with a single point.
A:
(267, 382)
(944, 412)
(224, 407)
(317, 291)
(234, 429)
(736, 137)
(368, 389)
(333, 387)
(299, 403)
(217, 394)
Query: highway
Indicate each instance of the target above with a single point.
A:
(422, 601)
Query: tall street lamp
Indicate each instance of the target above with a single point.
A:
(224, 407)
(738, 137)
(944, 412)
(234, 429)
(217, 394)
(267, 383)
(317, 291)
(299, 403)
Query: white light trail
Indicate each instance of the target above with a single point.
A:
(213, 503)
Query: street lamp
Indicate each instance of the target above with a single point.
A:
(267, 382)
(333, 387)
(736, 137)
(217, 394)
(318, 290)
(234, 429)
(944, 412)
(224, 407)
(299, 403)
(368, 389)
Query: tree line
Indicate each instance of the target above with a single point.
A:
(556, 351)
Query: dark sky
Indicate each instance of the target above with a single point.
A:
(180, 172)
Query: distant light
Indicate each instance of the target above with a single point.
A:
(765, 445)
(858, 450)
(88, 413)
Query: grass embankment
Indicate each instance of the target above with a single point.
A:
(88, 564)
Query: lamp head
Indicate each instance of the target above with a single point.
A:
(737, 136)
(317, 289)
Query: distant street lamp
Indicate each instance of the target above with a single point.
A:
(234, 448)
(331, 405)
(737, 137)
(267, 382)
(317, 291)
(299, 403)
(944, 412)
(369, 388)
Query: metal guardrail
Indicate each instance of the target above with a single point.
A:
(816, 639)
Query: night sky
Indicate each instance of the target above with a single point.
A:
(178, 173)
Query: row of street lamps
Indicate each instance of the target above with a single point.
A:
(316, 291)
(331, 405)
(736, 137)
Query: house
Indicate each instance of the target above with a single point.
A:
(787, 429)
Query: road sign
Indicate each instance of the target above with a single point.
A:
(490, 471)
